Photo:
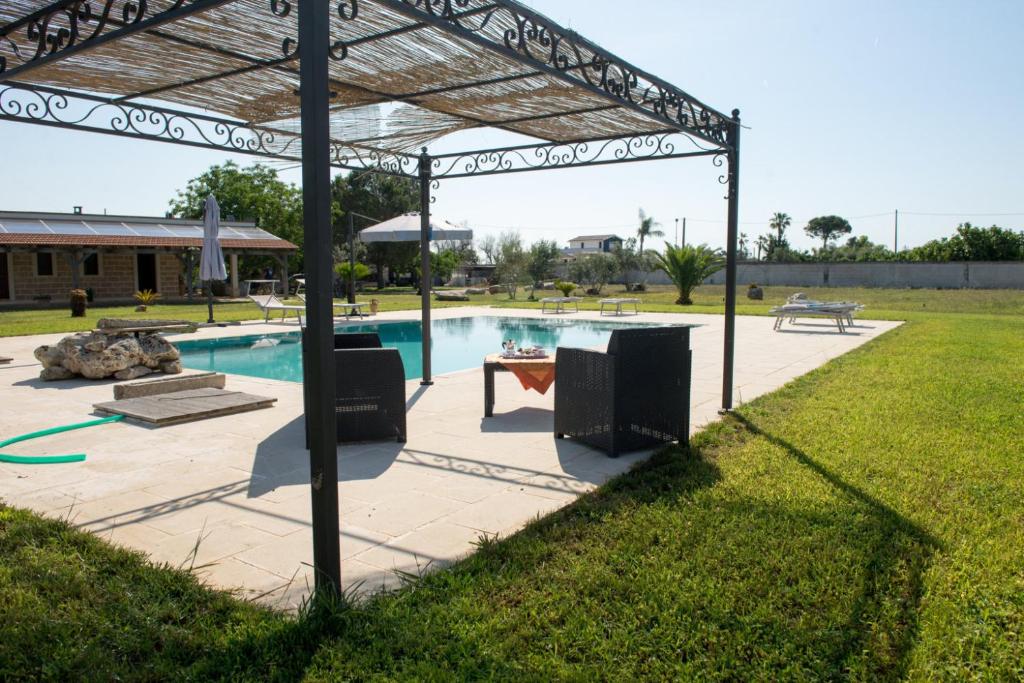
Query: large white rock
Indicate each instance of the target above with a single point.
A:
(95, 355)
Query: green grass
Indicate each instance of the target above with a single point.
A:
(55, 320)
(864, 522)
(882, 304)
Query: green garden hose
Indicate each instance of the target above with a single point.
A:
(51, 459)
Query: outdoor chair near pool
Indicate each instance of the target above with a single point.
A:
(269, 302)
(634, 396)
(370, 385)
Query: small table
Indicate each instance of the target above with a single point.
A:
(495, 363)
(618, 305)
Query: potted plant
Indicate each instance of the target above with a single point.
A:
(146, 298)
(754, 292)
(78, 299)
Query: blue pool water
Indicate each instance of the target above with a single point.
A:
(456, 344)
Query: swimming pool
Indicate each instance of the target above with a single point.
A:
(456, 344)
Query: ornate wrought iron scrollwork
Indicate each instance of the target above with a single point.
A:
(380, 161)
(516, 29)
(566, 155)
(348, 9)
(77, 111)
(69, 23)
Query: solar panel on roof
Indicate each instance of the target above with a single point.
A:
(192, 231)
(70, 228)
(252, 234)
(111, 229)
(31, 227)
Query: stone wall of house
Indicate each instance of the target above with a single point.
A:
(116, 279)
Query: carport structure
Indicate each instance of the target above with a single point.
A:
(354, 84)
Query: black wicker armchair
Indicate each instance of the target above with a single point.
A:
(634, 396)
(370, 385)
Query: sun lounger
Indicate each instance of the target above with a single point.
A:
(839, 311)
(559, 303)
(348, 310)
(618, 303)
(269, 302)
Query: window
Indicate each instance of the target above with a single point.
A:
(91, 264)
(44, 264)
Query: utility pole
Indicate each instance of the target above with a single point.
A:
(677, 232)
(896, 234)
(684, 231)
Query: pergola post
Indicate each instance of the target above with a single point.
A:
(425, 179)
(314, 42)
(733, 157)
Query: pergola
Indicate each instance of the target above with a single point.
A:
(353, 84)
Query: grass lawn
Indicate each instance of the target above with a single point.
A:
(882, 304)
(864, 522)
(54, 320)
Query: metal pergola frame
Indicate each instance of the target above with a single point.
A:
(685, 127)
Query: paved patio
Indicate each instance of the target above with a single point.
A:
(239, 484)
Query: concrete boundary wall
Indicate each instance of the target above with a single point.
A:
(956, 275)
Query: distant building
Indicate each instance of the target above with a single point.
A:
(45, 255)
(590, 244)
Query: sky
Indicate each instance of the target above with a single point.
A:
(850, 108)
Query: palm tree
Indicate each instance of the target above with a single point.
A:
(648, 228)
(779, 223)
(763, 242)
(687, 267)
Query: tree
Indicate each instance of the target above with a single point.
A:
(444, 262)
(361, 271)
(648, 228)
(744, 242)
(489, 246)
(973, 244)
(254, 193)
(827, 228)
(511, 263)
(381, 197)
(763, 242)
(627, 261)
(595, 270)
(541, 261)
(688, 267)
(779, 223)
(856, 249)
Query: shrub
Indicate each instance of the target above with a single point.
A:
(566, 288)
(687, 267)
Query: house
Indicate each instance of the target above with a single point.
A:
(589, 244)
(594, 243)
(45, 255)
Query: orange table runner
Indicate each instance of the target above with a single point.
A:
(537, 374)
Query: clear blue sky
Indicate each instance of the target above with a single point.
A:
(853, 108)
